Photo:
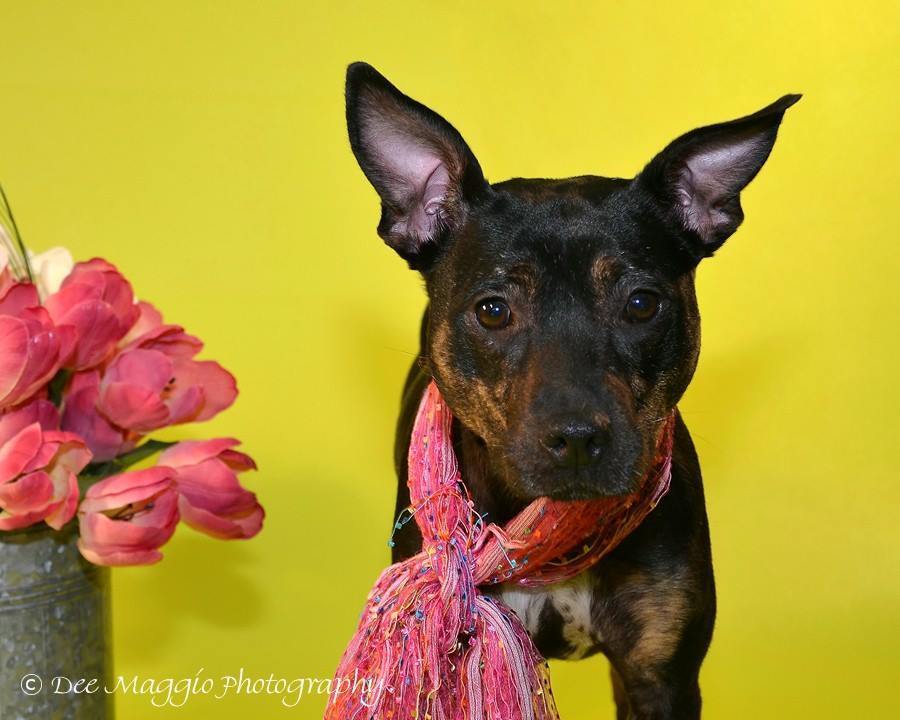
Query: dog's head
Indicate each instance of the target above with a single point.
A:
(563, 325)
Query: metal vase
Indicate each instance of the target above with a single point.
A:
(54, 629)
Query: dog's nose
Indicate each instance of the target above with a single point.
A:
(576, 444)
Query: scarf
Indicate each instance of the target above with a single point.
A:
(430, 644)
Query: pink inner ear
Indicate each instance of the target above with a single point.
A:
(416, 178)
(713, 175)
(424, 216)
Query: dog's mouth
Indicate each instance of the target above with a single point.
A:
(529, 475)
(605, 479)
(586, 483)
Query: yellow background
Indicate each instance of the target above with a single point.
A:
(202, 148)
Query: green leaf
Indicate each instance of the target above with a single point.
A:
(57, 385)
(21, 245)
(98, 471)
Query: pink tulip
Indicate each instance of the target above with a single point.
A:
(149, 319)
(151, 333)
(211, 499)
(126, 518)
(80, 416)
(98, 302)
(39, 467)
(16, 296)
(32, 349)
(154, 382)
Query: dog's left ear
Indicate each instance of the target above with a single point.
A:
(420, 165)
(698, 177)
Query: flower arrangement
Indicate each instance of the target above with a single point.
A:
(87, 373)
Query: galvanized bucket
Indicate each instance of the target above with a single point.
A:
(54, 629)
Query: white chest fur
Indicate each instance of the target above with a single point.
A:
(572, 600)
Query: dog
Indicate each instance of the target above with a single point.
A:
(562, 329)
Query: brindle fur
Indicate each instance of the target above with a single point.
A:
(565, 256)
(652, 600)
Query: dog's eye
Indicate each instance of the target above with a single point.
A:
(493, 313)
(642, 306)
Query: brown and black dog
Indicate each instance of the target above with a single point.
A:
(562, 329)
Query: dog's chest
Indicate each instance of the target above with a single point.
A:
(559, 617)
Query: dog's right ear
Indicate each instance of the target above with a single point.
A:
(699, 177)
(421, 167)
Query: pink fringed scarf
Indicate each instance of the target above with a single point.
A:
(430, 645)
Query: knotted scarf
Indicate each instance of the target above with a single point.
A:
(430, 644)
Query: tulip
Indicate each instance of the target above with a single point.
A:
(149, 321)
(126, 518)
(152, 382)
(144, 390)
(39, 467)
(98, 302)
(80, 416)
(211, 499)
(50, 268)
(32, 348)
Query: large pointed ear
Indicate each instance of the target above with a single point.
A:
(421, 167)
(698, 178)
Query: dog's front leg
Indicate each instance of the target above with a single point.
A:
(654, 698)
(657, 632)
